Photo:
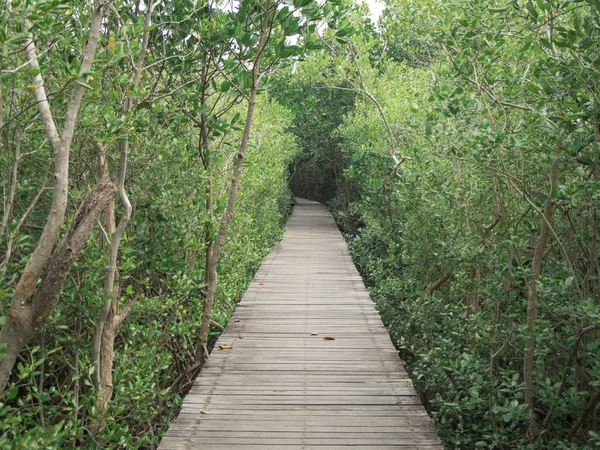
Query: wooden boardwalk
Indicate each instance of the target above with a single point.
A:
(283, 386)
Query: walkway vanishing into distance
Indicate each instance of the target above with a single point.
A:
(311, 365)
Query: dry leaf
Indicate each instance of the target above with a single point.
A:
(314, 333)
(204, 412)
(327, 338)
(236, 320)
(240, 337)
(224, 346)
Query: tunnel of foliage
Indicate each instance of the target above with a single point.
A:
(459, 153)
(455, 142)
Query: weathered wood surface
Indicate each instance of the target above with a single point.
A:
(281, 386)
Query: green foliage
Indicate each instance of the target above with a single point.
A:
(162, 260)
(318, 111)
(480, 97)
(432, 137)
(51, 401)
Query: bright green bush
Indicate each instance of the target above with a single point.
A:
(478, 113)
(162, 261)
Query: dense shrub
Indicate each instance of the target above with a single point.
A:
(51, 399)
(449, 154)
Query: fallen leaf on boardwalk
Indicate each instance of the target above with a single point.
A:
(240, 337)
(327, 338)
(405, 382)
(314, 333)
(236, 320)
(224, 346)
(204, 412)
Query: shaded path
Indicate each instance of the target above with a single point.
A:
(281, 386)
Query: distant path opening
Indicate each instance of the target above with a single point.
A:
(305, 362)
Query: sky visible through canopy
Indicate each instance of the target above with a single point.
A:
(376, 8)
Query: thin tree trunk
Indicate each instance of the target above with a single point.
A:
(60, 144)
(32, 314)
(105, 374)
(204, 149)
(108, 216)
(29, 309)
(109, 320)
(363, 90)
(436, 284)
(107, 353)
(213, 258)
(532, 296)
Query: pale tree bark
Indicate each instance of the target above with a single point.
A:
(108, 216)
(532, 295)
(29, 309)
(107, 353)
(110, 318)
(217, 246)
(34, 313)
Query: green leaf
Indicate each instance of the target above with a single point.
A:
(546, 87)
(12, 393)
(576, 23)
(526, 46)
(225, 86)
(531, 8)
(585, 43)
(85, 85)
(585, 160)
(203, 109)
(302, 3)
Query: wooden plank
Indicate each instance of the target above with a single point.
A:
(184, 444)
(203, 439)
(305, 409)
(281, 385)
